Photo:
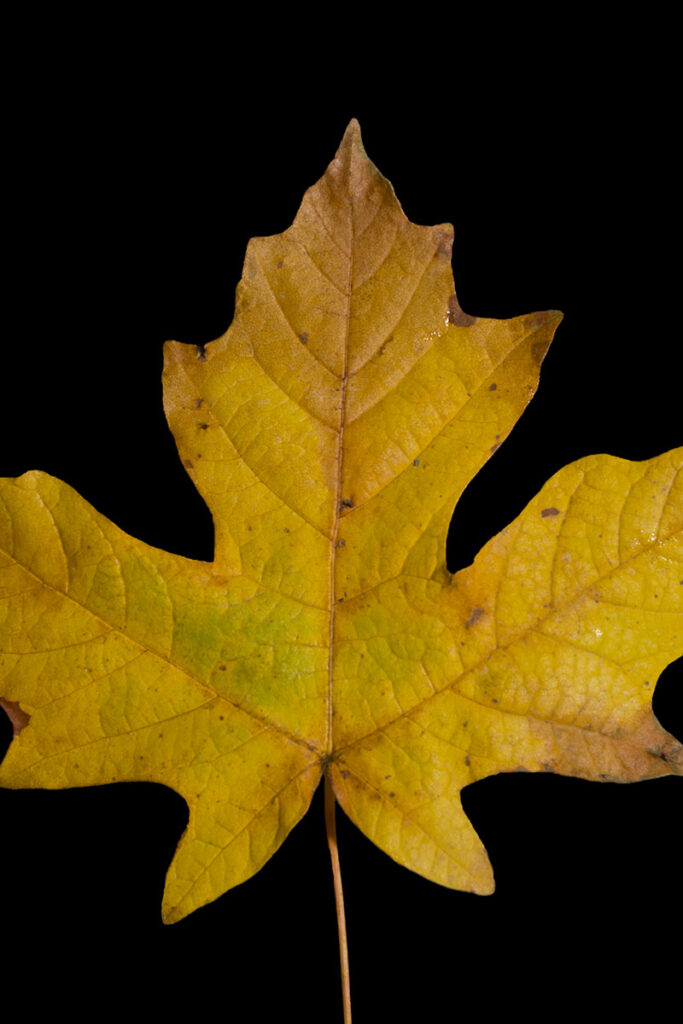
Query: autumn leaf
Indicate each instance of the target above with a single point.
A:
(331, 431)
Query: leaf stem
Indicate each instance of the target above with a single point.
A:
(331, 829)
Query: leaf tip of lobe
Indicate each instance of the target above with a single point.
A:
(352, 139)
(352, 133)
(16, 714)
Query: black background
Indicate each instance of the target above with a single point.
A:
(137, 175)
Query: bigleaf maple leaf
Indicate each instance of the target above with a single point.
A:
(331, 431)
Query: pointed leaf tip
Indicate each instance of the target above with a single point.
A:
(352, 139)
(353, 132)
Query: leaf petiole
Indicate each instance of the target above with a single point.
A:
(331, 830)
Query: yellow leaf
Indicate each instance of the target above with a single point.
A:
(331, 431)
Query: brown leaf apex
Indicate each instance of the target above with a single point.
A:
(16, 714)
(352, 136)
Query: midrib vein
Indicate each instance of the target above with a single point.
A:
(338, 486)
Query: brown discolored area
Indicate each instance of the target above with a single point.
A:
(539, 349)
(474, 617)
(443, 239)
(456, 316)
(552, 511)
(16, 714)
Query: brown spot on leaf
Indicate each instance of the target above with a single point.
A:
(198, 402)
(201, 352)
(17, 716)
(303, 338)
(188, 463)
(279, 264)
(538, 350)
(443, 239)
(474, 617)
(456, 316)
(203, 426)
(493, 387)
(496, 446)
(416, 462)
(345, 503)
(552, 511)
(341, 543)
(344, 773)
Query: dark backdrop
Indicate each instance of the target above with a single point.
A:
(134, 189)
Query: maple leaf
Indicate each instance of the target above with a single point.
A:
(331, 431)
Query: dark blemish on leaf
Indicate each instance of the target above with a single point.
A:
(203, 426)
(465, 723)
(387, 777)
(416, 462)
(494, 700)
(474, 617)
(493, 387)
(345, 503)
(221, 718)
(467, 760)
(552, 511)
(198, 402)
(279, 264)
(221, 668)
(538, 351)
(303, 338)
(547, 766)
(188, 464)
(17, 716)
(344, 773)
(341, 600)
(443, 240)
(496, 446)
(341, 543)
(456, 316)
(201, 352)
(392, 794)
(287, 530)
(646, 683)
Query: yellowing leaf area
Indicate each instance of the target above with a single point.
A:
(331, 431)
